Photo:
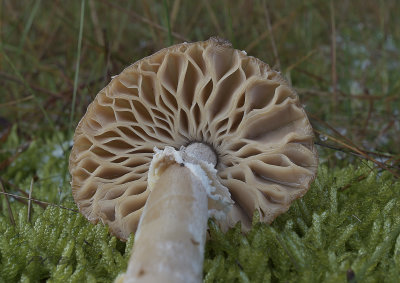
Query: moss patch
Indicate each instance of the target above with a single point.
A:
(343, 229)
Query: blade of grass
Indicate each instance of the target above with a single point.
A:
(170, 39)
(10, 103)
(10, 213)
(76, 79)
(32, 15)
(175, 12)
(78, 58)
(301, 60)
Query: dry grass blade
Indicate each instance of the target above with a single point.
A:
(337, 148)
(174, 12)
(272, 38)
(213, 17)
(349, 144)
(194, 19)
(30, 201)
(34, 87)
(144, 20)
(18, 101)
(333, 129)
(155, 33)
(77, 67)
(366, 122)
(10, 213)
(333, 56)
(377, 154)
(266, 33)
(96, 23)
(301, 60)
(360, 152)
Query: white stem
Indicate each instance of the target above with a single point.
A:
(169, 245)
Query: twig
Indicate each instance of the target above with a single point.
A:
(22, 192)
(4, 164)
(356, 179)
(378, 154)
(10, 213)
(39, 201)
(333, 129)
(5, 129)
(365, 152)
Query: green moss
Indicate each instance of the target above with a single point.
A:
(343, 229)
(60, 246)
(328, 236)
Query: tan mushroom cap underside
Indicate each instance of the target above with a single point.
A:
(204, 91)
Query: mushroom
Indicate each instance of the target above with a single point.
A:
(230, 137)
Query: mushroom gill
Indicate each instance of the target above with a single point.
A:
(204, 92)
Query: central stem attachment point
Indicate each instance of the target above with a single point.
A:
(200, 151)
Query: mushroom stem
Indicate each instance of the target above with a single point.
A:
(169, 244)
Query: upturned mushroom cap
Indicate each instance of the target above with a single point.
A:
(193, 92)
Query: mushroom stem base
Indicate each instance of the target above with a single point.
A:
(169, 244)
